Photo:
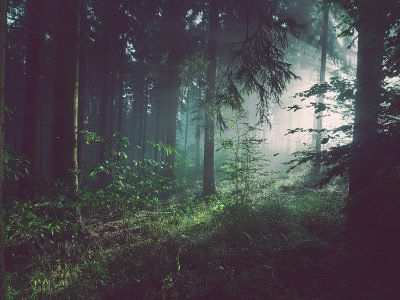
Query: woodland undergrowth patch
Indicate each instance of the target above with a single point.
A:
(285, 244)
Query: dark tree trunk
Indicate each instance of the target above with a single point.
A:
(83, 89)
(30, 140)
(174, 26)
(138, 112)
(144, 131)
(121, 106)
(373, 208)
(211, 54)
(367, 103)
(198, 134)
(3, 45)
(65, 161)
(188, 103)
(106, 107)
(156, 152)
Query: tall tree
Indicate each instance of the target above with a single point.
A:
(373, 206)
(3, 45)
(211, 56)
(255, 56)
(30, 140)
(322, 75)
(174, 15)
(106, 101)
(65, 160)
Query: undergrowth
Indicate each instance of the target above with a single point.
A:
(286, 243)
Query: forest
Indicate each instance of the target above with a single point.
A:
(200, 149)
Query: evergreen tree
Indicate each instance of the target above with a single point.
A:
(65, 160)
(3, 45)
(210, 101)
(30, 139)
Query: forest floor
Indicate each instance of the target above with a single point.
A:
(287, 244)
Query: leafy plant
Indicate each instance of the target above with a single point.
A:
(132, 184)
(15, 167)
(246, 167)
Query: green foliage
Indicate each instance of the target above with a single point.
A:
(15, 167)
(91, 137)
(246, 167)
(256, 64)
(131, 184)
(182, 249)
(336, 157)
(42, 223)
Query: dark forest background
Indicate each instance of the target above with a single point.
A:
(138, 151)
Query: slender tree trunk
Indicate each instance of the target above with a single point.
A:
(31, 145)
(139, 111)
(322, 73)
(3, 45)
(190, 93)
(211, 54)
(83, 88)
(144, 131)
(121, 106)
(106, 101)
(159, 116)
(156, 152)
(65, 164)
(198, 135)
(174, 25)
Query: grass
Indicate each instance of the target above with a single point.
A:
(286, 244)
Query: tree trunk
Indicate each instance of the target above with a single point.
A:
(106, 106)
(121, 106)
(198, 134)
(83, 90)
(190, 94)
(156, 152)
(3, 45)
(367, 102)
(65, 164)
(159, 104)
(174, 27)
(139, 111)
(31, 145)
(211, 54)
(144, 131)
(373, 203)
(322, 73)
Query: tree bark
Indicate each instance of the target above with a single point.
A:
(144, 131)
(322, 73)
(31, 145)
(106, 106)
(188, 103)
(175, 25)
(374, 198)
(65, 164)
(83, 89)
(367, 101)
(156, 152)
(198, 134)
(3, 45)
(138, 112)
(211, 54)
